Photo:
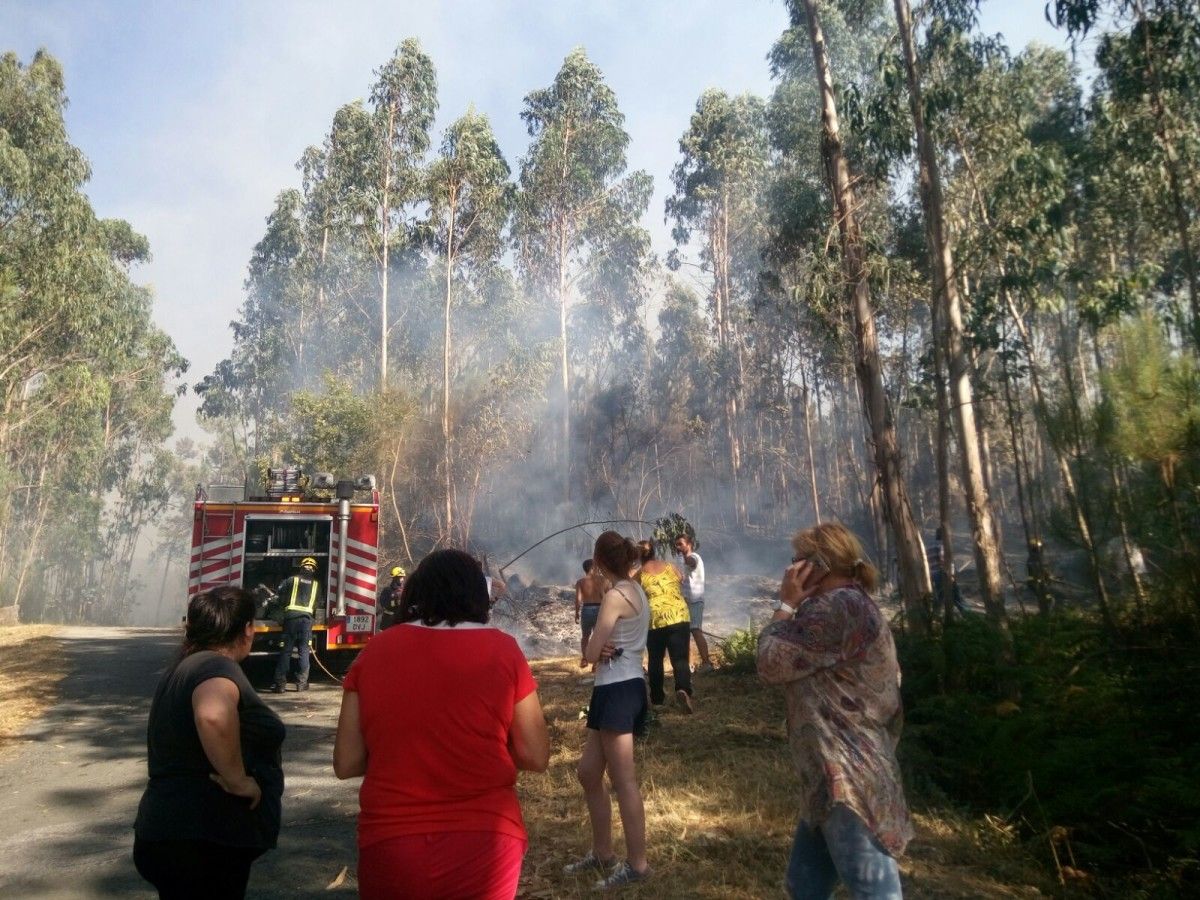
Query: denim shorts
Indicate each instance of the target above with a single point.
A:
(588, 614)
(619, 707)
(696, 613)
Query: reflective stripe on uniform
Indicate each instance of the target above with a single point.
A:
(311, 606)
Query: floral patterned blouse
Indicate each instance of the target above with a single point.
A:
(837, 663)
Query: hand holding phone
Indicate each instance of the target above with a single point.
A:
(801, 579)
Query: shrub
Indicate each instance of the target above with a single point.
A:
(740, 650)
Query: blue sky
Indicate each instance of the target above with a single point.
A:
(193, 114)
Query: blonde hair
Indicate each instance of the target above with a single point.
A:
(840, 549)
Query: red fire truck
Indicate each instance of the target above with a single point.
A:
(258, 541)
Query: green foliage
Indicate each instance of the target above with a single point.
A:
(1152, 393)
(668, 529)
(86, 379)
(1099, 743)
(334, 430)
(739, 651)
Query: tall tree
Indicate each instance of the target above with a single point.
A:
(470, 200)
(404, 98)
(574, 199)
(958, 362)
(719, 187)
(914, 570)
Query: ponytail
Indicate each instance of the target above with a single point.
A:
(616, 554)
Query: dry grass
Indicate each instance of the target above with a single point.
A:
(720, 806)
(31, 666)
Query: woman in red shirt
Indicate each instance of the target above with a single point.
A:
(438, 714)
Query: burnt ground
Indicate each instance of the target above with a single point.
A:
(542, 617)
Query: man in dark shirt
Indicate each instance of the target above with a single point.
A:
(941, 569)
(300, 595)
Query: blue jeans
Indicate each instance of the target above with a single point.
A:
(840, 847)
(297, 632)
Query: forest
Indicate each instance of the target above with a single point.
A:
(930, 282)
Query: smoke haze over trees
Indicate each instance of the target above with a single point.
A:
(929, 281)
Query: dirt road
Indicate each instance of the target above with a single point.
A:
(70, 791)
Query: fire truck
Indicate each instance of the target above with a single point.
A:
(256, 542)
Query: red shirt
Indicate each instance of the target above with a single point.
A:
(436, 705)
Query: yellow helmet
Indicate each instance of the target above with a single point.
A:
(308, 563)
(398, 572)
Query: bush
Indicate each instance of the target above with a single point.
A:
(1104, 741)
(740, 650)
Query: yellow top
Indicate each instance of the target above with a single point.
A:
(667, 606)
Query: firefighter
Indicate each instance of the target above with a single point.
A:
(301, 593)
(1037, 577)
(389, 598)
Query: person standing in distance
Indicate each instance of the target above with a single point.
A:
(693, 592)
(389, 598)
(589, 591)
(301, 592)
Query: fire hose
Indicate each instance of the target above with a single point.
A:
(571, 528)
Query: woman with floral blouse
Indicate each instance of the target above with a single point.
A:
(829, 647)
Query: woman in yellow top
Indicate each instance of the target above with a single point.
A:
(669, 627)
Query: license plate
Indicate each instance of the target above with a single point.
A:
(358, 624)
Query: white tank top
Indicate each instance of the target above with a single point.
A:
(628, 635)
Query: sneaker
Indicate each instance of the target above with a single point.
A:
(706, 667)
(588, 863)
(622, 875)
(276, 689)
(302, 687)
(684, 701)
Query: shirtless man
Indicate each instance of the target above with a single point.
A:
(589, 591)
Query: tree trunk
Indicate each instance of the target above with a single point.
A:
(913, 567)
(812, 462)
(979, 507)
(1064, 466)
(946, 600)
(446, 463)
(385, 223)
(563, 362)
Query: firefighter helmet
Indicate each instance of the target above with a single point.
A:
(308, 563)
(398, 572)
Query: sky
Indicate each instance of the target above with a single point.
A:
(193, 114)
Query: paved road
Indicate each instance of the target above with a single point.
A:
(70, 792)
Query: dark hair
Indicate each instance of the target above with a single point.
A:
(217, 618)
(646, 550)
(615, 554)
(447, 586)
(587, 566)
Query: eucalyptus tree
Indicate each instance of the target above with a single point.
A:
(910, 551)
(719, 190)
(470, 201)
(946, 292)
(85, 376)
(247, 390)
(575, 201)
(338, 221)
(1149, 62)
(404, 102)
